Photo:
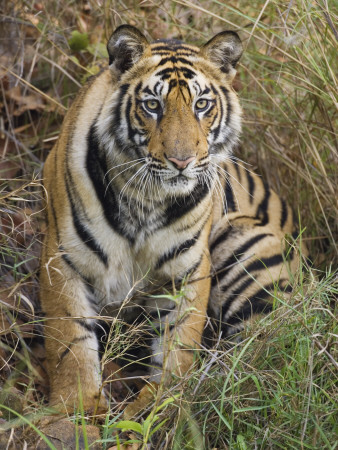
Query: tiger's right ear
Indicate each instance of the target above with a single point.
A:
(125, 47)
(224, 50)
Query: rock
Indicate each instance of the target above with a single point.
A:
(63, 435)
(13, 399)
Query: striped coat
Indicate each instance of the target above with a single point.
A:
(143, 196)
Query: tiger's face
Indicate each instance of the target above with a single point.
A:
(174, 112)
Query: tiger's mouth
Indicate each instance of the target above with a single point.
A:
(171, 181)
(179, 179)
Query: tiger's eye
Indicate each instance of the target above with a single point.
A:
(152, 105)
(202, 104)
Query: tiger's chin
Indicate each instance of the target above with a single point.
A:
(179, 186)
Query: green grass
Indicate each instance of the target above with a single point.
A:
(277, 388)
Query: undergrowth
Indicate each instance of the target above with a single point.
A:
(275, 389)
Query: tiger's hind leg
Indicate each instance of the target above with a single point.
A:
(71, 344)
(248, 263)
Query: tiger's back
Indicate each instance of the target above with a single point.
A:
(141, 193)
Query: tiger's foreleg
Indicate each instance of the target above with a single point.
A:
(181, 330)
(71, 344)
(179, 333)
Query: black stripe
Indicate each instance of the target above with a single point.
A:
(256, 304)
(70, 263)
(82, 231)
(172, 85)
(160, 313)
(210, 112)
(89, 284)
(84, 324)
(265, 263)
(287, 289)
(227, 264)
(174, 59)
(182, 206)
(147, 90)
(96, 166)
(220, 111)
(262, 209)
(131, 131)
(79, 339)
(238, 171)
(251, 186)
(190, 271)
(76, 198)
(284, 213)
(165, 73)
(165, 54)
(229, 109)
(243, 216)
(291, 252)
(248, 309)
(171, 327)
(139, 119)
(138, 88)
(161, 52)
(230, 204)
(187, 73)
(71, 188)
(295, 235)
(234, 295)
(183, 83)
(251, 305)
(177, 251)
(198, 88)
(116, 113)
(178, 322)
(259, 264)
(172, 46)
(221, 238)
(158, 88)
(65, 352)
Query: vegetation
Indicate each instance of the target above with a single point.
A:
(278, 387)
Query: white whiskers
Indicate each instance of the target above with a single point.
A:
(139, 161)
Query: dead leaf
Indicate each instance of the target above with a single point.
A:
(8, 169)
(32, 101)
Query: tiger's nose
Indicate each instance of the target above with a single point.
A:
(181, 163)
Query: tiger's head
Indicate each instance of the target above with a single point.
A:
(173, 115)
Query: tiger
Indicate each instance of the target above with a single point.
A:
(143, 194)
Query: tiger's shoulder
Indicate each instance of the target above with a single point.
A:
(82, 112)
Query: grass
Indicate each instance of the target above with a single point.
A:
(277, 388)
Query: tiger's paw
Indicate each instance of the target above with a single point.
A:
(146, 396)
(93, 405)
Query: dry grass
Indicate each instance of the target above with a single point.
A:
(279, 392)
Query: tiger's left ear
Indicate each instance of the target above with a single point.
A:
(125, 47)
(224, 50)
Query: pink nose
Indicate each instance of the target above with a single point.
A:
(182, 163)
